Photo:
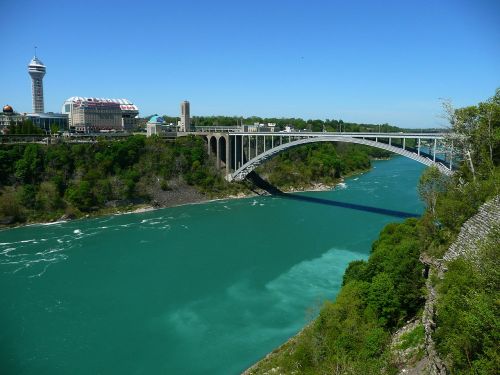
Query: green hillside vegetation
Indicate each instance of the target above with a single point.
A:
(45, 182)
(318, 163)
(352, 334)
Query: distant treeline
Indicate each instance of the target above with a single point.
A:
(296, 123)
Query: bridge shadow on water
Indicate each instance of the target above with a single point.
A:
(274, 191)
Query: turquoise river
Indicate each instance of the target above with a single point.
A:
(197, 289)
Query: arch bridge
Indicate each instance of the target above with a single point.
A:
(239, 153)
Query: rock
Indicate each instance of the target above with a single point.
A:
(7, 220)
(69, 216)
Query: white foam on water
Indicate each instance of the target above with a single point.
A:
(54, 222)
(7, 251)
(77, 231)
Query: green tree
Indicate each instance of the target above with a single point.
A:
(430, 185)
(54, 128)
(29, 167)
(80, 194)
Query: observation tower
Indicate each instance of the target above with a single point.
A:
(36, 70)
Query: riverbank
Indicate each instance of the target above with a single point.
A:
(179, 195)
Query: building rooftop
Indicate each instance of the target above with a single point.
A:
(125, 104)
(8, 109)
(36, 61)
(156, 119)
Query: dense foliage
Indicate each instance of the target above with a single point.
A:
(318, 163)
(43, 182)
(25, 127)
(468, 325)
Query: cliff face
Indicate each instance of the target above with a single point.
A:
(473, 233)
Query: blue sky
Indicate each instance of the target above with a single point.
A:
(359, 61)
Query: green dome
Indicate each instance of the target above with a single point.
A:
(156, 119)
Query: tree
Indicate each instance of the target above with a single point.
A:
(29, 167)
(432, 182)
(54, 128)
(463, 123)
(476, 133)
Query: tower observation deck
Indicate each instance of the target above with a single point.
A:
(36, 70)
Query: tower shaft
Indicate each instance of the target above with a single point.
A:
(36, 70)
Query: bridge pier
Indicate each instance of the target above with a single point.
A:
(220, 146)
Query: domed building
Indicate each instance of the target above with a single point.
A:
(157, 126)
(9, 117)
(8, 110)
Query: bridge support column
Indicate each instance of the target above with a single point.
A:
(434, 150)
(451, 156)
(228, 154)
(418, 148)
(217, 164)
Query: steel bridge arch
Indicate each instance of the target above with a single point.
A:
(249, 166)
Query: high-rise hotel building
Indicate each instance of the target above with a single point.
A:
(87, 115)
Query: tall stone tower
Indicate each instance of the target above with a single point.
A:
(36, 70)
(185, 117)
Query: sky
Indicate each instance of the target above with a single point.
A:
(359, 61)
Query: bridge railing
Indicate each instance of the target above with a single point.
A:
(218, 129)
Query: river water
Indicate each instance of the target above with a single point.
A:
(197, 289)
